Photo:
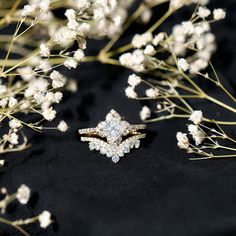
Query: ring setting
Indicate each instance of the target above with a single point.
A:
(113, 137)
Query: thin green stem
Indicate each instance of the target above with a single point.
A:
(8, 222)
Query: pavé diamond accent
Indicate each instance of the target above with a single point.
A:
(113, 129)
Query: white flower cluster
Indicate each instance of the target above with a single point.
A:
(195, 131)
(189, 36)
(145, 113)
(138, 60)
(41, 6)
(135, 60)
(100, 17)
(196, 36)
(23, 195)
(133, 81)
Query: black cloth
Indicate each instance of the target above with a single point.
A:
(154, 190)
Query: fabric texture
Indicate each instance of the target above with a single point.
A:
(154, 190)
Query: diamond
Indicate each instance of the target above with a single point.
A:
(115, 159)
(113, 128)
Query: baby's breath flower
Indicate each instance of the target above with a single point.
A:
(13, 138)
(44, 5)
(219, 14)
(72, 86)
(130, 93)
(145, 113)
(63, 127)
(197, 134)
(26, 73)
(152, 92)
(203, 12)
(134, 80)
(45, 219)
(12, 102)
(23, 194)
(183, 64)
(149, 50)
(140, 40)
(3, 102)
(15, 124)
(49, 114)
(64, 36)
(44, 50)
(196, 117)
(183, 141)
(188, 27)
(146, 15)
(79, 55)
(58, 80)
(2, 162)
(158, 38)
(71, 16)
(70, 63)
(28, 10)
(58, 97)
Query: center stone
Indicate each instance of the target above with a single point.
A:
(113, 129)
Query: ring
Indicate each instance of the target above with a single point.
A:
(113, 137)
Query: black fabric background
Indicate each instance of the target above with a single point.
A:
(154, 190)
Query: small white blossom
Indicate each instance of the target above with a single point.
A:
(2, 162)
(152, 92)
(146, 15)
(44, 50)
(134, 60)
(72, 86)
(70, 63)
(58, 97)
(63, 127)
(79, 55)
(14, 124)
(219, 14)
(64, 36)
(13, 138)
(71, 16)
(188, 27)
(45, 219)
(197, 134)
(49, 114)
(23, 194)
(196, 117)
(145, 113)
(44, 5)
(197, 66)
(183, 64)
(3, 102)
(182, 139)
(140, 40)
(134, 80)
(203, 12)
(28, 10)
(158, 38)
(26, 73)
(57, 78)
(149, 50)
(12, 102)
(130, 93)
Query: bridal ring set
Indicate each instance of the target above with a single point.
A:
(113, 137)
